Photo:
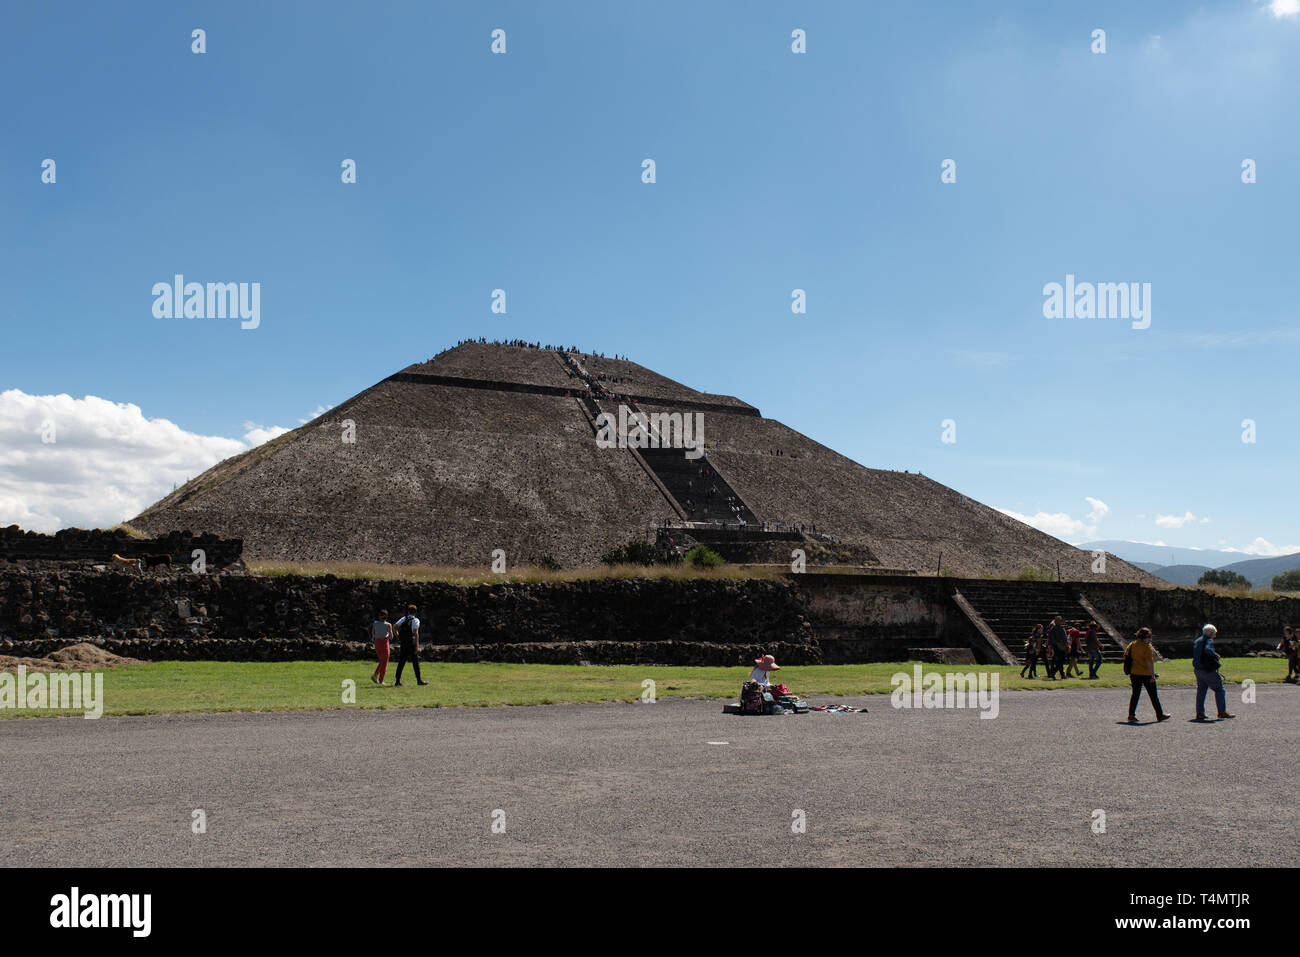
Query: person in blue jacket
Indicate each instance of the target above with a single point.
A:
(1205, 662)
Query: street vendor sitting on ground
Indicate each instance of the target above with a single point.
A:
(763, 668)
(759, 695)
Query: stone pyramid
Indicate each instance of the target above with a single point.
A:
(489, 446)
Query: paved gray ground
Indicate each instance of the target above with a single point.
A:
(641, 784)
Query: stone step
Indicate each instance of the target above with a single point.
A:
(1012, 610)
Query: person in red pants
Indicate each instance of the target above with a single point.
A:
(382, 631)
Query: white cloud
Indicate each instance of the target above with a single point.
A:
(320, 410)
(257, 434)
(107, 461)
(1267, 549)
(1284, 8)
(1057, 524)
(1175, 521)
(1062, 525)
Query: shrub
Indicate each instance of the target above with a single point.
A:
(547, 562)
(633, 553)
(701, 556)
(1221, 576)
(1287, 581)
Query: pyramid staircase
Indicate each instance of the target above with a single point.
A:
(684, 482)
(690, 483)
(690, 480)
(680, 480)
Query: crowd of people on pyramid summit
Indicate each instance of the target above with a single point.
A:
(1060, 649)
(547, 347)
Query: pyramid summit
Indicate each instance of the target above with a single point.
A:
(551, 452)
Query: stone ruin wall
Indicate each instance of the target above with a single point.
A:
(805, 619)
(98, 546)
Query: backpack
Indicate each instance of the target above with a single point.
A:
(1128, 659)
(404, 628)
(751, 698)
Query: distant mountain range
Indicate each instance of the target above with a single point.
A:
(1165, 555)
(1185, 566)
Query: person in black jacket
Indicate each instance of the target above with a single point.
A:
(1289, 646)
(1092, 645)
(1060, 642)
(408, 633)
(1032, 644)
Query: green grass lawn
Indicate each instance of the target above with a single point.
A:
(185, 686)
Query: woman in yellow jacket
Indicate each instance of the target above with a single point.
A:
(1140, 663)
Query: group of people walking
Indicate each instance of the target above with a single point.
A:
(1060, 649)
(407, 631)
(1140, 665)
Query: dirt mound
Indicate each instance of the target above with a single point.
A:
(79, 657)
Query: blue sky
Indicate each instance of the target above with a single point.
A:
(775, 171)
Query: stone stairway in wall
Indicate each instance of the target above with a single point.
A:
(1010, 609)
